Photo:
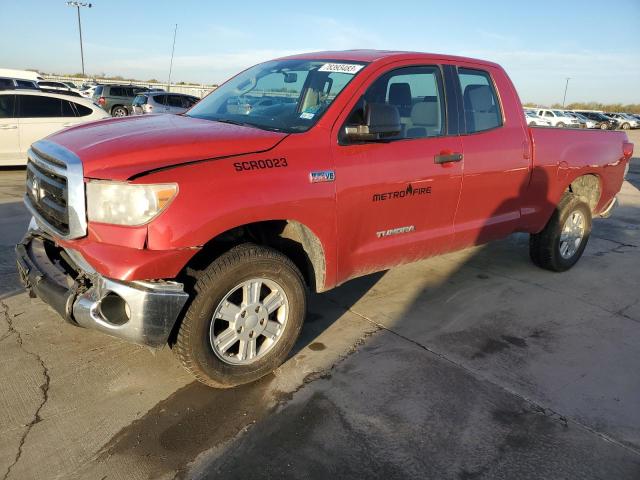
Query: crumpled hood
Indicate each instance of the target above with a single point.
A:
(119, 148)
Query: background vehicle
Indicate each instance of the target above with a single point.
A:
(602, 121)
(27, 116)
(558, 118)
(155, 102)
(535, 120)
(625, 121)
(221, 218)
(16, 83)
(21, 74)
(587, 121)
(117, 99)
(57, 87)
(582, 122)
(88, 91)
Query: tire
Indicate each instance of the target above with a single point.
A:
(532, 124)
(546, 247)
(626, 126)
(119, 111)
(604, 126)
(199, 336)
(560, 125)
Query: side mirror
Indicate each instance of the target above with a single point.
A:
(381, 121)
(290, 77)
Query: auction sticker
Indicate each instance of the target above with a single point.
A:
(350, 68)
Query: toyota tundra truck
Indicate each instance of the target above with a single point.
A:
(205, 231)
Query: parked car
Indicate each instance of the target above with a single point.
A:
(558, 118)
(117, 99)
(57, 87)
(87, 92)
(17, 83)
(155, 102)
(602, 121)
(535, 120)
(209, 227)
(582, 123)
(625, 121)
(27, 116)
(587, 121)
(21, 74)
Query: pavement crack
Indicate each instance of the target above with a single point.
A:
(617, 242)
(44, 386)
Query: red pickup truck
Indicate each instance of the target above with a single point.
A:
(206, 230)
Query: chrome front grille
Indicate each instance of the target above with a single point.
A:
(55, 190)
(47, 192)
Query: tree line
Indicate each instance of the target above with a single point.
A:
(605, 107)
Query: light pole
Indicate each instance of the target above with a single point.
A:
(566, 85)
(78, 5)
(173, 49)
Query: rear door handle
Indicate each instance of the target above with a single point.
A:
(8, 127)
(450, 157)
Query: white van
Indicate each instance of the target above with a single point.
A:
(20, 74)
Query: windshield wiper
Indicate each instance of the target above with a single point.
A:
(232, 122)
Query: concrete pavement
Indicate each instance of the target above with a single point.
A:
(471, 365)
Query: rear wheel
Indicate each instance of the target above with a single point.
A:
(560, 244)
(626, 126)
(603, 126)
(246, 315)
(119, 111)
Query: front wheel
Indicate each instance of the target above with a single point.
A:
(626, 126)
(560, 244)
(604, 126)
(246, 315)
(560, 125)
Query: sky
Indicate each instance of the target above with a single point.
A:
(539, 43)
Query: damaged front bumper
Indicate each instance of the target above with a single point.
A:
(140, 312)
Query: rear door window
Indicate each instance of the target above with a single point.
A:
(67, 109)
(7, 106)
(32, 106)
(117, 92)
(6, 83)
(83, 110)
(481, 106)
(160, 99)
(175, 101)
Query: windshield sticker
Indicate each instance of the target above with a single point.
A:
(307, 115)
(350, 68)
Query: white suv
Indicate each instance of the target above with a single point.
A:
(558, 118)
(28, 115)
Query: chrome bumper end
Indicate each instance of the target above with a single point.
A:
(606, 213)
(140, 312)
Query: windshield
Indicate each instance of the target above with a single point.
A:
(281, 95)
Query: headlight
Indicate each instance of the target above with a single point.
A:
(126, 203)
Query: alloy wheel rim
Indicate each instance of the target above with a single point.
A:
(249, 321)
(572, 234)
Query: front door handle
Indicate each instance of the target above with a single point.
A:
(68, 124)
(448, 157)
(8, 127)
